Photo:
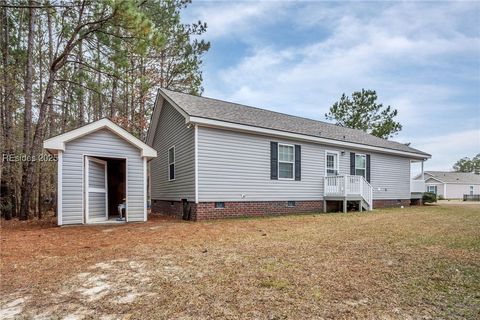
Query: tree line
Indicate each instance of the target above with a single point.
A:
(67, 63)
(467, 164)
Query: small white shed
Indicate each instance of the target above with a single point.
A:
(101, 169)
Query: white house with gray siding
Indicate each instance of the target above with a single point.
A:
(451, 185)
(102, 174)
(221, 159)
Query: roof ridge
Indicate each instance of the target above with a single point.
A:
(227, 111)
(441, 171)
(258, 108)
(282, 113)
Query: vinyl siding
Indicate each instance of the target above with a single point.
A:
(456, 191)
(433, 182)
(96, 205)
(172, 131)
(232, 164)
(102, 143)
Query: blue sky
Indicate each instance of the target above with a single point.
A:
(422, 58)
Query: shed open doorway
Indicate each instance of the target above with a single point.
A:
(105, 189)
(117, 170)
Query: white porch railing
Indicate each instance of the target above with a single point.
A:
(345, 186)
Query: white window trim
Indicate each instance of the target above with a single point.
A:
(434, 187)
(170, 163)
(471, 190)
(292, 162)
(365, 156)
(337, 165)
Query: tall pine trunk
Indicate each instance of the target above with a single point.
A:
(28, 177)
(80, 96)
(6, 181)
(27, 119)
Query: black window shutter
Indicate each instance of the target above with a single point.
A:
(273, 160)
(298, 162)
(368, 167)
(352, 163)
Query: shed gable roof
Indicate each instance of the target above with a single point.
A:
(207, 108)
(58, 142)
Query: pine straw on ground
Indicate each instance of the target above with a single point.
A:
(419, 262)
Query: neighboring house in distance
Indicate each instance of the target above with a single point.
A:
(220, 159)
(451, 185)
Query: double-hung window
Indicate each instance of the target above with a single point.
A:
(361, 165)
(286, 161)
(171, 164)
(432, 189)
(332, 163)
(471, 190)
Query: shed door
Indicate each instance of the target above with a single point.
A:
(96, 195)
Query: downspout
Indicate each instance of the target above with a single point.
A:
(196, 163)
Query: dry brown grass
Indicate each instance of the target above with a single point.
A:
(394, 264)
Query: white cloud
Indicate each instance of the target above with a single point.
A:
(405, 51)
(447, 149)
(233, 19)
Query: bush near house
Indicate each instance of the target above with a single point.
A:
(429, 197)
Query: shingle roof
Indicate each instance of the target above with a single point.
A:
(455, 177)
(236, 113)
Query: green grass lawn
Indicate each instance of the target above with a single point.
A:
(392, 263)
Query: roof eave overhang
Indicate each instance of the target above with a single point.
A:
(297, 136)
(161, 97)
(434, 178)
(57, 143)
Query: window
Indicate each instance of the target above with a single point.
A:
(290, 203)
(171, 163)
(331, 163)
(219, 205)
(361, 165)
(285, 161)
(432, 189)
(471, 190)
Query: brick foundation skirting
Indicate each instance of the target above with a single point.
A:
(391, 203)
(236, 209)
(207, 210)
(169, 208)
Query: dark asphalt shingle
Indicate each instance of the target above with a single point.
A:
(455, 177)
(236, 113)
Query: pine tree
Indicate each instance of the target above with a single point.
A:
(364, 113)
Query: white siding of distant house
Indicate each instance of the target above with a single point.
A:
(232, 164)
(433, 182)
(102, 143)
(456, 190)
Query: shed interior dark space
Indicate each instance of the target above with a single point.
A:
(116, 185)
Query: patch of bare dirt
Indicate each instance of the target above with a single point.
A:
(392, 264)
